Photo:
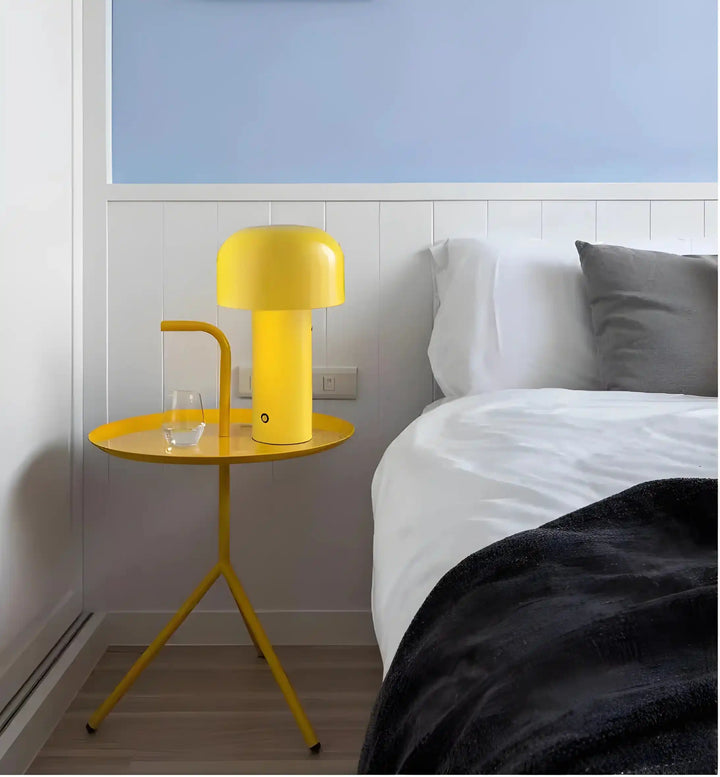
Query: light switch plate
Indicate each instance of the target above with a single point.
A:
(328, 382)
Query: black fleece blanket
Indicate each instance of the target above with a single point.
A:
(585, 646)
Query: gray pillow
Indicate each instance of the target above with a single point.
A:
(655, 318)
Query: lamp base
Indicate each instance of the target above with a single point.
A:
(282, 376)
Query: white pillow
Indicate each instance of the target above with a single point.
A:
(514, 313)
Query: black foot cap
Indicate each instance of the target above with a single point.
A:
(315, 749)
(90, 729)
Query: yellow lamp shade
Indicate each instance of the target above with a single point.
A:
(280, 268)
(281, 273)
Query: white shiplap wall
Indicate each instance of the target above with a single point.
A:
(302, 530)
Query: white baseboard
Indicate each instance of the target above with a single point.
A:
(35, 721)
(19, 661)
(204, 627)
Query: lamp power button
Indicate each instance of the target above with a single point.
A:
(264, 418)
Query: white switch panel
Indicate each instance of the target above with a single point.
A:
(328, 382)
(244, 382)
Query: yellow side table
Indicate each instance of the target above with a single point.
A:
(226, 440)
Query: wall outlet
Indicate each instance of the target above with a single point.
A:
(328, 382)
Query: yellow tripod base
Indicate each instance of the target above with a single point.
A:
(257, 633)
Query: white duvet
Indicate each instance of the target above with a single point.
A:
(474, 470)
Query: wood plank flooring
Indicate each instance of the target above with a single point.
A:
(218, 710)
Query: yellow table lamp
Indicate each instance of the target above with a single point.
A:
(281, 273)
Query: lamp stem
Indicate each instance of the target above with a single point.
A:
(282, 376)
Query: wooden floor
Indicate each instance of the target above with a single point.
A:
(218, 710)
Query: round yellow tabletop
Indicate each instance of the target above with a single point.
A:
(141, 438)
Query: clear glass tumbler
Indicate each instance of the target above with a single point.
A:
(183, 418)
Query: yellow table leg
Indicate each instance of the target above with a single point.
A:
(255, 629)
(152, 650)
(260, 638)
(259, 652)
(257, 633)
(224, 534)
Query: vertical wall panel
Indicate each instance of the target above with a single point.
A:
(190, 359)
(353, 338)
(162, 526)
(232, 217)
(135, 237)
(306, 214)
(566, 219)
(516, 218)
(620, 220)
(677, 219)
(711, 218)
(308, 492)
(353, 328)
(405, 314)
(459, 218)
(172, 511)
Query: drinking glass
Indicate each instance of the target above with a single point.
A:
(183, 418)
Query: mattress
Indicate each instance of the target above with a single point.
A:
(472, 471)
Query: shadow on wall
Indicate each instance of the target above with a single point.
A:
(39, 501)
(34, 522)
(39, 507)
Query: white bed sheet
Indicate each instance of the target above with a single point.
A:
(472, 471)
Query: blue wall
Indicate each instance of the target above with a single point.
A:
(414, 90)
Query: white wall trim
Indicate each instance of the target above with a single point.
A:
(77, 409)
(20, 661)
(95, 17)
(206, 627)
(408, 191)
(35, 721)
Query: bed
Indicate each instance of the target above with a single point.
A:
(474, 470)
(564, 537)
